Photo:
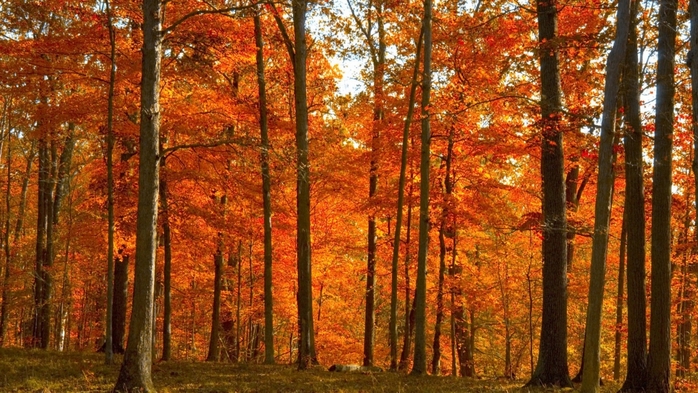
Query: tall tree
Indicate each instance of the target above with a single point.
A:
(659, 356)
(551, 368)
(266, 193)
(604, 201)
(135, 373)
(109, 346)
(398, 221)
(420, 352)
(634, 215)
(377, 47)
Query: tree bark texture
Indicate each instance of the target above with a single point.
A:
(307, 355)
(659, 356)
(266, 194)
(551, 368)
(135, 370)
(635, 216)
(398, 226)
(420, 353)
(604, 202)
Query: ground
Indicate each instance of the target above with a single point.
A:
(44, 372)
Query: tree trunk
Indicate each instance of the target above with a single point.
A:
(409, 311)
(420, 352)
(635, 217)
(552, 359)
(445, 215)
(109, 344)
(266, 195)
(119, 304)
(619, 302)
(213, 347)
(378, 57)
(41, 228)
(136, 368)
(167, 268)
(659, 356)
(6, 240)
(306, 338)
(693, 64)
(604, 202)
(398, 227)
(436, 356)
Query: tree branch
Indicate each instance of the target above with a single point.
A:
(206, 12)
(241, 141)
(284, 33)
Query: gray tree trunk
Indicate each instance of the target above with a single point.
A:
(552, 359)
(420, 348)
(619, 302)
(266, 194)
(636, 376)
(398, 227)
(659, 356)
(136, 368)
(109, 344)
(604, 202)
(213, 346)
(306, 338)
(167, 268)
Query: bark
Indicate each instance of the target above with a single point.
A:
(420, 356)
(409, 311)
(445, 215)
(552, 359)
(19, 224)
(266, 194)
(377, 50)
(398, 227)
(6, 240)
(436, 346)
(109, 344)
(619, 302)
(306, 338)
(63, 170)
(213, 347)
(41, 229)
(659, 356)
(693, 65)
(635, 217)
(17, 232)
(167, 268)
(136, 368)
(119, 303)
(604, 202)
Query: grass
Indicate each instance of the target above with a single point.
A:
(47, 371)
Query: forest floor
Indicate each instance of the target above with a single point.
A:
(53, 372)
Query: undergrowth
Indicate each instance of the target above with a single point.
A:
(49, 372)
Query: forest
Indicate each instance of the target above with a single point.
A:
(488, 190)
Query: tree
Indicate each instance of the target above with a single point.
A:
(109, 347)
(659, 356)
(551, 368)
(420, 356)
(398, 224)
(635, 215)
(266, 193)
(135, 373)
(604, 202)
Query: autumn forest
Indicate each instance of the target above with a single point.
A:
(482, 189)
